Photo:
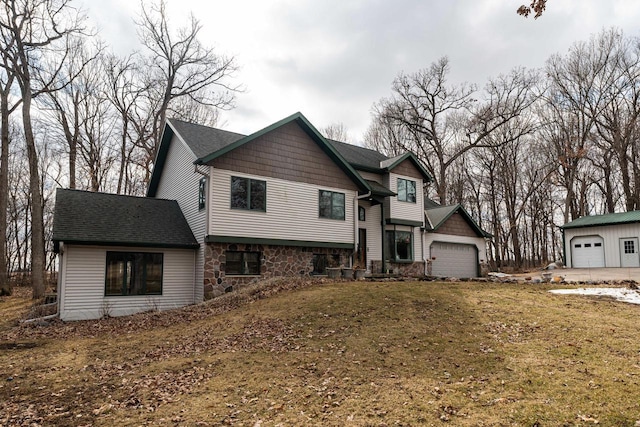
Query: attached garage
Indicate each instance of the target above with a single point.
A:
(455, 245)
(587, 252)
(454, 259)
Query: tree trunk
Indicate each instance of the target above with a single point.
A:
(5, 284)
(37, 214)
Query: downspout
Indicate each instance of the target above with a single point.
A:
(207, 201)
(356, 236)
(424, 260)
(382, 226)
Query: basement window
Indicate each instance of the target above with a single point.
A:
(242, 263)
(320, 264)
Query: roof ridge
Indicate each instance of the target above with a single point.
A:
(205, 126)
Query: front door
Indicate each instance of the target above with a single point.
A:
(362, 247)
(629, 256)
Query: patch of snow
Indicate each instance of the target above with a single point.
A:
(621, 294)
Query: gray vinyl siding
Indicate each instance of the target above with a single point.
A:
(291, 214)
(83, 283)
(373, 227)
(180, 182)
(406, 210)
(611, 234)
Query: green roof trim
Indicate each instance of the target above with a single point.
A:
(378, 189)
(128, 244)
(311, 131)
(436, 217)
(398, 221)
(276, 242)
(603, 220)
(161, 157)
(390, 164)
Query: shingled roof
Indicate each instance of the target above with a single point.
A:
(359, 157)
(203, 140)
(207, 143)
(86, 218)
(437, 216)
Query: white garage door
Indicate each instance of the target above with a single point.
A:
(587, 252)
(454, 260)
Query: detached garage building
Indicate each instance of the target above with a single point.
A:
(454, 243)
(603, 241)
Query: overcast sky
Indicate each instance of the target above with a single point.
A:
(333, 59)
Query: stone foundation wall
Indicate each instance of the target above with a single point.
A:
(275, 261)
(410, 269)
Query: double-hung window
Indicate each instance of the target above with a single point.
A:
(331, 205)
(406, 190)
(249, 194)
(400, 245)
(242, 263)
(133, 273)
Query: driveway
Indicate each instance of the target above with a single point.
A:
(590, 274)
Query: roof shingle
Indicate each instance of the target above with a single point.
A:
(83, 217)
(203, 140)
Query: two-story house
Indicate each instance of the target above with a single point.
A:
(224, 209)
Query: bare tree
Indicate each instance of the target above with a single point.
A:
(65, 104)
(385, 135)
(179, 66)
(29, 30)
(443, 122)
(336, 132)
(6, 84)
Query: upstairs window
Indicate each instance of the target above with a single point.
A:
(406, 190)
(133, 273)
(249, 194)
(331, 205)
(202, 185)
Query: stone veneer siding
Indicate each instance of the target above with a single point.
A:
(275, 261)
(409, 269)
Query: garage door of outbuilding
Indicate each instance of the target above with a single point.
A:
(454, 259)
(587, 252)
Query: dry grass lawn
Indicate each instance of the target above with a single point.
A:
(361, 354)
